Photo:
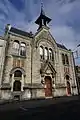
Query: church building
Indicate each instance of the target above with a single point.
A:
(34, 65)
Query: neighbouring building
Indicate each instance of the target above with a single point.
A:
(77, 70)
(34, 65)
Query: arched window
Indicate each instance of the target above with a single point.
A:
(46, 53)
(17, 73)
(16, 47)
(16, 44)
(50, 54)
(23, 49)
(66, 59)
(41, 52)
(63, 59)
(67, 77)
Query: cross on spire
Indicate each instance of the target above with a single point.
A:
(42, 11)
(42, 20)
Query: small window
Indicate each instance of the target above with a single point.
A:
(63, 59)
(18, 63)
(41, 52)
(22, 63)
(14, 62)
(46, 53)
(23, 49)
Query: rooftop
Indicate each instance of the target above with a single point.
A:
(29, 34)
(21, 32)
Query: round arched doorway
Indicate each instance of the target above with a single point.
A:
(48, 86)
(68, 85)
(17, 86)
(68, 88)
(17, 82)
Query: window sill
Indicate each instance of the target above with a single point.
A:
(19, 56)
(66, 64)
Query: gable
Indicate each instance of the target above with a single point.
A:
(48, 69)
(44, 35)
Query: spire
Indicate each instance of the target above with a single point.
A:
(42, 20)
(42, 11)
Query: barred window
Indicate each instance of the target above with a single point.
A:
(14, 62)
(22, 63)
(18, 63)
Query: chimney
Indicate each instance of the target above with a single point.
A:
(7, 28)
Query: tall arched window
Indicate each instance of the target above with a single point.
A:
(63, 59)
(50, 54)
(46, 53)
(66, 59)
(23, 49)
(16, 44)
(16, 47)
(41, 52)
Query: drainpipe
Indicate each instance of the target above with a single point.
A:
(75, 74)
(6, 37)
(31, 63)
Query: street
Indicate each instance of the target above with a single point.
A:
(69, 110)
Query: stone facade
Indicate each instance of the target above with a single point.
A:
(34, 70)
(35, 66)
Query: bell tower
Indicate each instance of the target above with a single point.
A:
(42, 20)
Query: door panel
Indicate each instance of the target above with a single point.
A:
(68, 88)
(48, 89)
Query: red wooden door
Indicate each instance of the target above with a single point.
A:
(48, 88)
(68, 88)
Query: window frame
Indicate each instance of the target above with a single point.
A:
(46, 55)
(41, 50)
(22, 52)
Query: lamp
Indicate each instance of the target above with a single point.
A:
(42, 81)
(45, 86)
(54, 85)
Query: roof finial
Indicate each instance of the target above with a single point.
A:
(41, 5)
(42, 20)
(42, 11)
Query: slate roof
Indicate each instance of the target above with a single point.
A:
(20, 32)
(61, 46)
(27, 34)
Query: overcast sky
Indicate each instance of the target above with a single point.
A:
(65, 15)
